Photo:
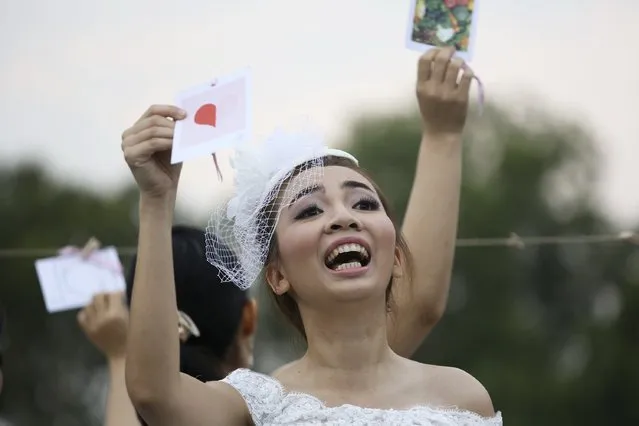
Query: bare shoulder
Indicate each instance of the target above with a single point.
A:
(457, 387)
(446, 387)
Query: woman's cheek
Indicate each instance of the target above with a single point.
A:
(297, 245)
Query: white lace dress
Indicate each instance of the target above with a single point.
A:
(270, 404)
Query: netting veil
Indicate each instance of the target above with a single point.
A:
(239, 232)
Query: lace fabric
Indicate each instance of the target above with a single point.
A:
(270, 405)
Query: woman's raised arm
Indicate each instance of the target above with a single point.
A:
(430, 223)
(159, 392)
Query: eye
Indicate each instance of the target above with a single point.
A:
(367, 204)
(309, 211)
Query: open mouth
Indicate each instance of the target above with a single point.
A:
(347, 256)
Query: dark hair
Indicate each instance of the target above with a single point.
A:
(285, 302)
(215, 307)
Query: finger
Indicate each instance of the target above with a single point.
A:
(107, 301)
(82, 317)
(90, 309)
(441, 64)
(148, 134)
(141, 152)
(164, 111)
(100, 303)
(148, 122)
(452, 73)
(116, 300)
(425, 65)
(466, 80)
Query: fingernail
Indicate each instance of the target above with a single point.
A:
(182, 113)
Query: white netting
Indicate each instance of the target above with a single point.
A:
(239, 233)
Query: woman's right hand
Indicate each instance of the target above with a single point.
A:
(147, 150)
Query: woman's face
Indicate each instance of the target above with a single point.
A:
(335, 240)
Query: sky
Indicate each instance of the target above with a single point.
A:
(75, 74)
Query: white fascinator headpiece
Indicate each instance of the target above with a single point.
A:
(239, 233)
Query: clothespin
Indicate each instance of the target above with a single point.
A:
(515, 241)
(630, 237)
(90, 247)
(186, 327)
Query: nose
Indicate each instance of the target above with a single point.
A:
(343, 219)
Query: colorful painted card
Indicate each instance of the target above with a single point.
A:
(438, 23)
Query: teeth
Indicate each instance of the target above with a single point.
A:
(348, 265)
(345, 248)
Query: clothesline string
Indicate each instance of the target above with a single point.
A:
(513, 241)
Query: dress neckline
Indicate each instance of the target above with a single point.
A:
(284, 393)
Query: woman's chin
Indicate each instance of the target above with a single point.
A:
(354, 284)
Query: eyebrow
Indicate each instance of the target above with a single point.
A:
(353, 184)
(347, 184)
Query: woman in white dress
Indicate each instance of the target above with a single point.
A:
(318, 228)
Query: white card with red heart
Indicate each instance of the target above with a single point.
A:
(218, 116)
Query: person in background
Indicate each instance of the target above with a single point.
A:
(216, 326)
(105, 321)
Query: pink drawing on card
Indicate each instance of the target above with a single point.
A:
(206, 115)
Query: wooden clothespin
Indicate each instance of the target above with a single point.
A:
(515, 241)
(186, 327)
(91, 246)
(630, 237)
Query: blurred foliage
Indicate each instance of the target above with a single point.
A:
(552, 332)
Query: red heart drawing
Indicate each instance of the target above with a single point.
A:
(206, 115)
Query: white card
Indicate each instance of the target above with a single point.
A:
(70, 282)
(219, 116)
(442, 23)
